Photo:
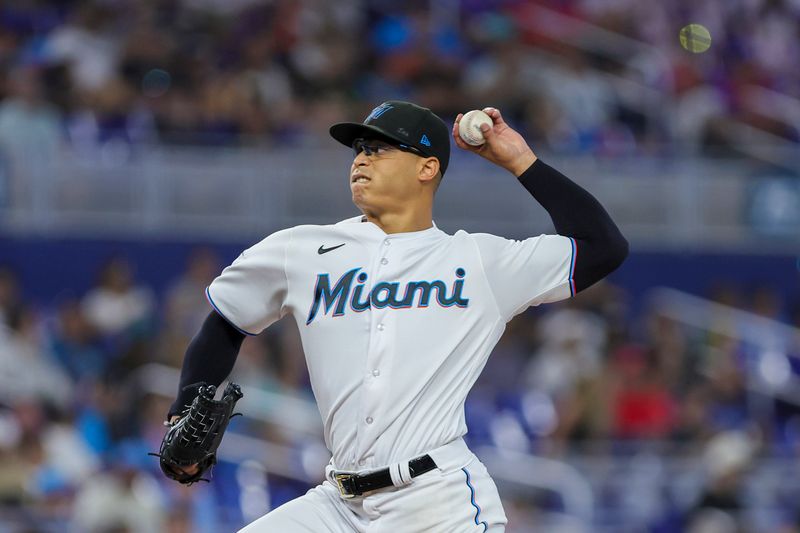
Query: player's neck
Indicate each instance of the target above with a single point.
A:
(401, 222)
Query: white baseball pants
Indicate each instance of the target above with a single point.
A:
(457, 497)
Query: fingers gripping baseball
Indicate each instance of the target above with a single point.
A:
(504, 146)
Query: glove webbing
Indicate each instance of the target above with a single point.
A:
(194, 439)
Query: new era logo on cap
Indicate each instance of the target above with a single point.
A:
(425, 140)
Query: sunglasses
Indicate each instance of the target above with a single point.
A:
(379, 148)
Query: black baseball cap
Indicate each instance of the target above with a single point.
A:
(401, 122)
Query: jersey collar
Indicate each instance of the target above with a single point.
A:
(360, 223)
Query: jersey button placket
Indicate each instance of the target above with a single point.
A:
(373, 389)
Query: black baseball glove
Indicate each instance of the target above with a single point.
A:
(194, 438)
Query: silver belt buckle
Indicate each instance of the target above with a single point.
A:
(342, 491)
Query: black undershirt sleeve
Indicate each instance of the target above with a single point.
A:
(209, 358)
(601, 248)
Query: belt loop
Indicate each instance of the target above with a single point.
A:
(329, 470)
(400, 474)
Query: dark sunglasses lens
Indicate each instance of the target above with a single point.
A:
(361, 145)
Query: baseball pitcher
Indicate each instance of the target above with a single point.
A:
(397, 320)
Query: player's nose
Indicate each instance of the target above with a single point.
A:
(360, 159)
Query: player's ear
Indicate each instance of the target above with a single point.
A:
(428, 169)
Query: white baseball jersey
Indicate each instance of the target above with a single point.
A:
(396, 327)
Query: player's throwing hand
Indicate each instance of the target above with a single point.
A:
(503, 147)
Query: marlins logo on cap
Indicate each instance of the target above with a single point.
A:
(378, 111)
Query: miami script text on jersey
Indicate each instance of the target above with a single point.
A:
(350, 289)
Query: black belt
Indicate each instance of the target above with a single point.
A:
(352, 485)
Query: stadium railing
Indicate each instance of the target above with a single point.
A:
(660, 203)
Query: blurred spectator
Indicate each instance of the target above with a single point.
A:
(669, 350)
(30, 136)
(25, 371)
(693, 423)
(9, 293)
(67, 461)
(572, 348)
(727, 457)
(116, 305)
(75, 345)
(568, 368)
(16, 469)
(729, 407)
(257, 367)
(30, 126)
(712, 521)
(101, 416)
(698, 106)
(186, 304)
(88, 44)
(642, 406)
(124, 496)
(583, 98)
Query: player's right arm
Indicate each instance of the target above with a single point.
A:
(588, 247)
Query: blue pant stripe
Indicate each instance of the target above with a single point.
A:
(474, 504)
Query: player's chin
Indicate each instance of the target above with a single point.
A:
(360, 192)
(368, 203)
(359, 199)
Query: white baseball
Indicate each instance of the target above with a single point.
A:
(469, 129)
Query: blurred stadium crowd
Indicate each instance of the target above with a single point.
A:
(76, 421)
(610, 78)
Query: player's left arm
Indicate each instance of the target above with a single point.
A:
(600, 246)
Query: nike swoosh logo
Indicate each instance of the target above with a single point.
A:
(323, 250)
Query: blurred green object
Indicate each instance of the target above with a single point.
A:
(695, 38)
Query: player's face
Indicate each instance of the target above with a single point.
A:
(383, 176)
